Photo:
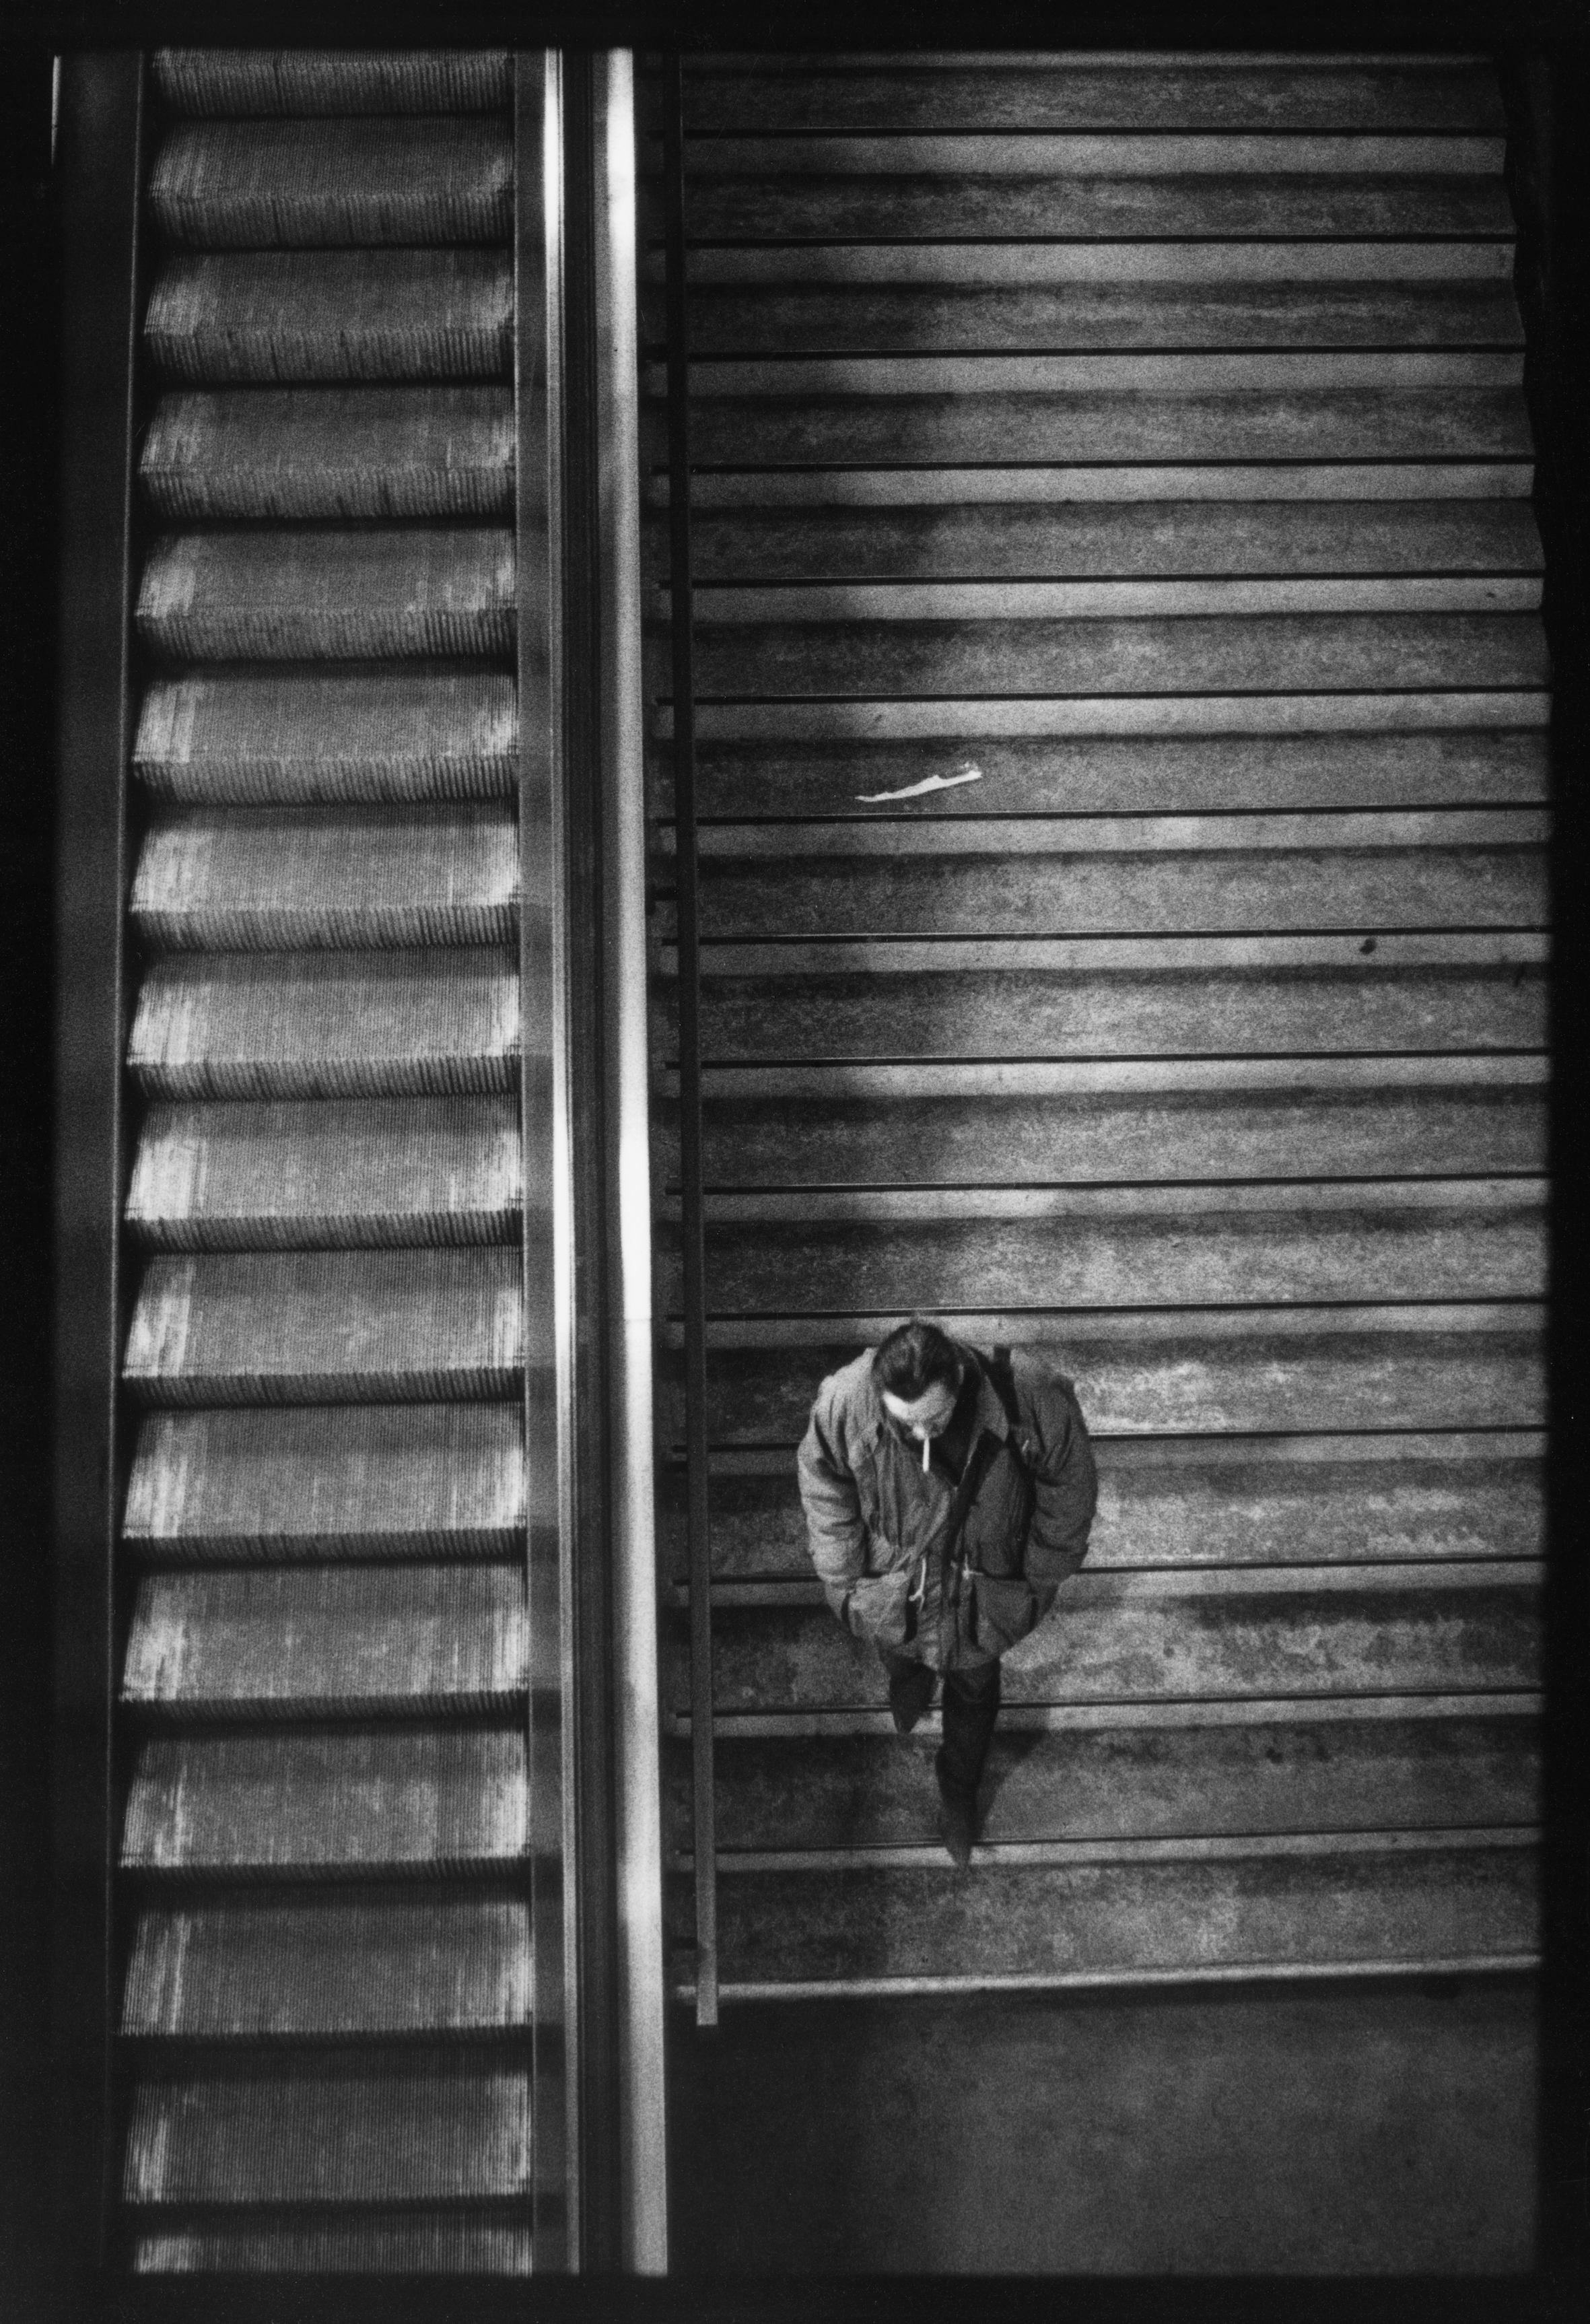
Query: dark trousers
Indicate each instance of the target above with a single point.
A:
(970, 1706)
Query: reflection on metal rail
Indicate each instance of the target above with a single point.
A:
(689, 982)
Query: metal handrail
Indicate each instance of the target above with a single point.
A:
(703, 1820)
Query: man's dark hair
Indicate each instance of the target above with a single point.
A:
(915, 1358)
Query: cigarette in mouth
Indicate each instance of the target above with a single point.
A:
(927, 1446)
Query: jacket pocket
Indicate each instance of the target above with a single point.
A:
(1002, 1611)
(876, 1607)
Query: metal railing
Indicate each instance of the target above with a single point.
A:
(692, 1240)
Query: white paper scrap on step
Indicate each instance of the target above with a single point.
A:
(969, 774)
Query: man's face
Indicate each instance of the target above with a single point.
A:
(927, 1415)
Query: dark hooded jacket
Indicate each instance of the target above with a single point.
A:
(878, 1526)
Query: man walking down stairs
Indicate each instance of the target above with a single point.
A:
(943, 1564)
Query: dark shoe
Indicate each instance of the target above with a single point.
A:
(958, 1826)
(910, 1695)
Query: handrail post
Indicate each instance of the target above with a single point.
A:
(689, 992)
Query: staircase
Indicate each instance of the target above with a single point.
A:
(341, 2015)
(1121, 768)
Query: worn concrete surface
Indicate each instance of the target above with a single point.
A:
(1371, 2129)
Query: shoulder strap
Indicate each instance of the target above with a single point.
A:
(1001, 1373)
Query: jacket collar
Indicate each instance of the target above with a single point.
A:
(990, 1414)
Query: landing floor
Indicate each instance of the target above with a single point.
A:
(1366, 2129)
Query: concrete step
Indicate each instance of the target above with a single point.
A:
(1176, 1501)
(1369, 1764)
(1204, 1635)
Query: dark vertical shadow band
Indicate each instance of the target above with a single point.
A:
(704, 1841)
(101, 130)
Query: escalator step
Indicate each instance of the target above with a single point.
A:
(329, 452)
(232, 317)
(1269, 653)
(253, 1178)
(1220, 1501)
(1123, 774)
(1403, 1764)
(412, 2242)
(1169, 1245)
(1256, 1372)
(327, 1024)
(328, 2128)
(381, 1481)
(295, 736)
(328, 596)
(413, 1799)
(1208, 1635)
(312, 1327)
(275, 879)
(1103, 996)
(728, 96)
(968, 541)
(1052, 1124)
(318, 184)
(1358, 424)
(1109, 1911)
(325, 1641)
(252, 81)
(334, 1964)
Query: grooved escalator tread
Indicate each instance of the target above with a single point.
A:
(327, 1641)
(410, 2242)
(320, 1803)
(250, 1178)
(277, 879)
(332, 1963)
(409, 2128)
(311, 1327)
(262, 81)
(326, 1024)
(329, 452)
(328, 596)
(236, 318)
(1257, 1370)
(335, 1481)
(258, 736)
(318, 183)
(1408, 1765)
